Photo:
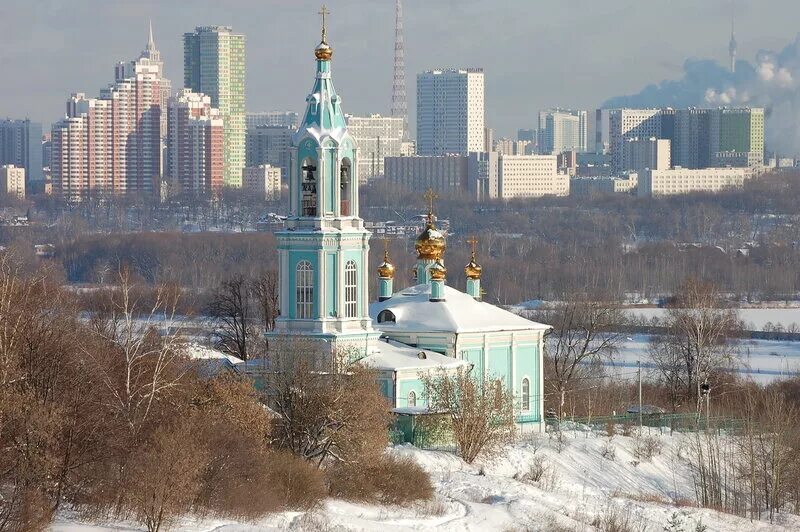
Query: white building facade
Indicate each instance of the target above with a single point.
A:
(264, 181)
(562, 130)
(12, 181)
(530, 176)
(377, 137)
(686, 180)
(450, 112)
(624, 124)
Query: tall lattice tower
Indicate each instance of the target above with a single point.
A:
(399, 105)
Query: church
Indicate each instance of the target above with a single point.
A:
(324, 265)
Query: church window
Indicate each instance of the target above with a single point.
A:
(386, 315)
(304, 282)
(350, 290)
(308, 185)
(345, 176)
(526, 394)
(412, 398)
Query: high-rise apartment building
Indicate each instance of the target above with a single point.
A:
(450, 112)
(195, 148)
(21, 145)
(624, 124)
(288, 119)
(738, 131)
(112, 144)
(264, 181)
(651, 154)
(213, 64)
(269, 145)
(376, 137)
(562, 130)
(12, 181)
(691, 138)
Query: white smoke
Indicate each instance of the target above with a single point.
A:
(770, 81)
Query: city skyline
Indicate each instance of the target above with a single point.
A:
(73, 49)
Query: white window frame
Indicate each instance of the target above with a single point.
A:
(350, 289)
(304, 283)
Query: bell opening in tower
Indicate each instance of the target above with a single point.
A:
(309, 189)
(345, 184)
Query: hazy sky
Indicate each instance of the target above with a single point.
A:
(536, 53)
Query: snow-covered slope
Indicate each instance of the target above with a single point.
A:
(579, 489)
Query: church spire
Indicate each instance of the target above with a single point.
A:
(150, 51)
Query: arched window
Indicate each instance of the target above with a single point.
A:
(304, 282)
(308, 185)
(386, 315)
(350, 289)
(412, 398)
(526, 394)
(345, 178)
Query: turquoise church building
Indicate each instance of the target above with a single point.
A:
(323, 256)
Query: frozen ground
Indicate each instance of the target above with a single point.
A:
(761, 360)
(579, 487)
(754, 319)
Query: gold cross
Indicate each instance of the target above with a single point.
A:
(385, 248)
(473, 241)
(324, 12)
(430, 196)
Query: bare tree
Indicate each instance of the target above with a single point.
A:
(699, 327)
(480, 412)
(231, 308)
(266, 291)
(323, 415)
(583, 332)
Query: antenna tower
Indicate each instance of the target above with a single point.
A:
(399, 105)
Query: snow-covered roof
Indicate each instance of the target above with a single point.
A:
(395, 356)
(458, 313)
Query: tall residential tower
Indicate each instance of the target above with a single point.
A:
(450, 111)
(213, 64)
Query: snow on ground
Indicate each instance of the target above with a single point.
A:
(761, 360)
(578, 487)
(754, 318)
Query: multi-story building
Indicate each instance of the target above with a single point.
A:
(269, 145)
(530, 176)
(442, 173)
(527, 134)
(450, 112)
(691, 138)
(112, 144)
(213, 64)
(686, 180)
(264, 181)
(376, 137)
(624, 124)
(195, 148)
(586, 187)
(640, 154)
(20, 145)
(288, 119)
(562, 130)
(738, 131)
(513, 147)
(12, 181)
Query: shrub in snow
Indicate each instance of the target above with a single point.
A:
(674, 523)
(646, 447)
(608, 451)
(387, 480)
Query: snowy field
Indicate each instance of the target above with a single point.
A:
(761, 360)
(579, 487)
(754, 318)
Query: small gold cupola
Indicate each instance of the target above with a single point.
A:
(430, 243)
(438, 271)
(386, 268)
(473, 270)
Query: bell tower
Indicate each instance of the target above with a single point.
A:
(323, 249)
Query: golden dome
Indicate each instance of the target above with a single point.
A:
(323, 52)
(386, 269)
(438, 271)
(430, 243)
(473, 269)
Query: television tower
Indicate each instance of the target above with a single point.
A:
(399, 105)
(732, 45)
